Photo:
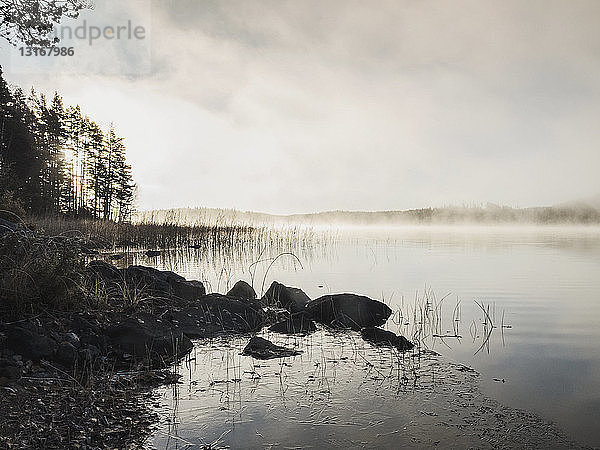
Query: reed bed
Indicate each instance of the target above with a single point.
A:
(107, 234)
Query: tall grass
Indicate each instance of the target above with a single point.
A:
(38, 271)
(171, 233)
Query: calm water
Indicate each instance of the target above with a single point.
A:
(541, 288)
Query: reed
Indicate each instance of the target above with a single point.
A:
(173, 233)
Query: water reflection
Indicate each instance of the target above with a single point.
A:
(522, 306)
(228, 399)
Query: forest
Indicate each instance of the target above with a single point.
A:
(55, 160)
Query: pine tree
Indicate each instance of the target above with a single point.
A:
(59, 161)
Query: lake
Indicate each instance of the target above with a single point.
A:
(519, 305)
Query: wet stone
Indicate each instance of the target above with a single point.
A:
(261, 348)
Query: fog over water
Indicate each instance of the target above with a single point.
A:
(539, 285)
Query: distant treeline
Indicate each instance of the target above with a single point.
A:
(490, 214)
(456, 215)
(54, 159)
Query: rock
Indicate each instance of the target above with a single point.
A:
(299, 323)
(103, 270)
(152, 253)
(146, 337)
(82, 325)
(377, 336)
(274, 315)
(188, 290)
(89, 251)
(153, 279)
(72, 339)
(30, 344)
(242, 290)
(157, 282)
(89, 354)
(260, 348)
(66, 354)
(116, 257)
(348, 311)
(216, 313)
(163, 282)
(291, 298)
(9, 370)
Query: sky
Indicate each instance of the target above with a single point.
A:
(293, 106)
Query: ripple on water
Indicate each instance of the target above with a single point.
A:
(340, 392)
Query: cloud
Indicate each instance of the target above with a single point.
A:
(292, 106)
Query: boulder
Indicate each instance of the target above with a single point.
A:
(299, 323)
(163, 282)
(72, 339)
(291, 298)
(152, 253)
(9, 370)
(379, 337)
(242, 290)
(217, 313)
(30, 344)
(103, 270)
(261, 348)
(66, 354)
(348, 311)
(89, 354)
(157, 282)
(188, 290)
(146, 337)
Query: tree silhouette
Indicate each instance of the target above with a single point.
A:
(31, 22)
(57, 160)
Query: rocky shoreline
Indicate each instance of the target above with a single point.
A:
(81, 373)
(81, 377)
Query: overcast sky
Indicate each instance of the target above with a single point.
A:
(299, 106)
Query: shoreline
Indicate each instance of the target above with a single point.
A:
(94, 359)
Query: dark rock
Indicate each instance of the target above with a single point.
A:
(162, 283)
(66, 354)
(103, 270)
(377, 336)
(348, 311)
(72, 339)
(30, 344)
(299, 323)
(291, 298)
(275, 315)
(153, 279)
(89, 251)
(152, 253)
(147, 337)
(92, 339)
(260, 348)
(215, 313)
(188, 290)
(242, 290)
(116, 257)
(10, 370)
(89, 354)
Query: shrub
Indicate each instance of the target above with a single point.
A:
(39, 272)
